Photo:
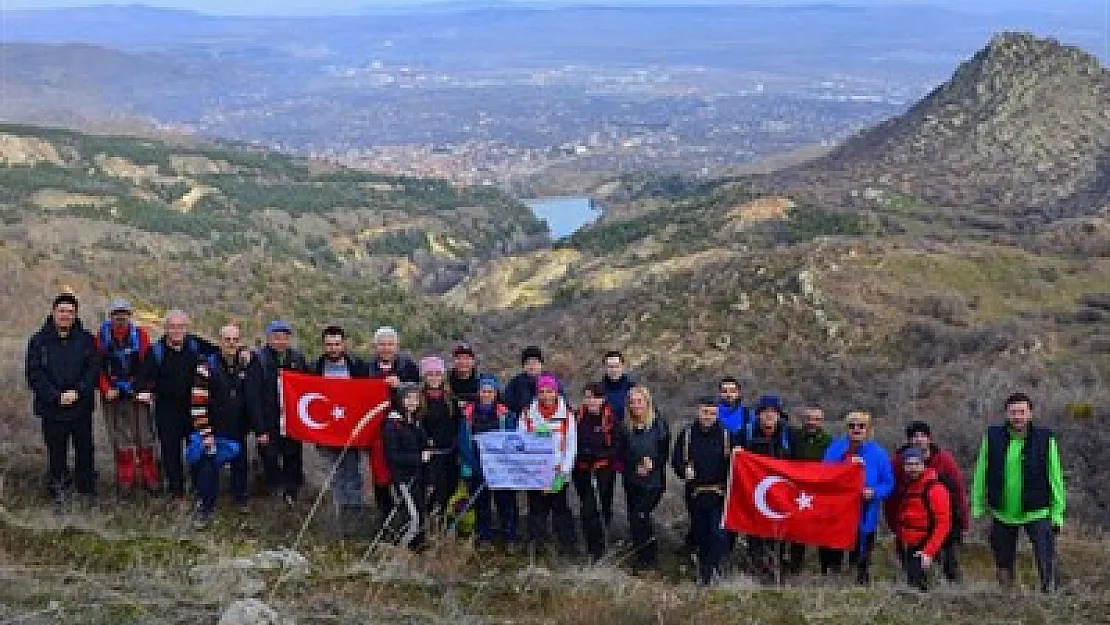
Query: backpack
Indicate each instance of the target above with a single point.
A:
(688, 433)
(158, 349)
(121, 354)
(953, 503)
(606, 423)
(924, 495)
(784, 433)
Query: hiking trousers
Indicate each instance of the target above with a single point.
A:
(128, 424)
(1003, 540)
(57, 434)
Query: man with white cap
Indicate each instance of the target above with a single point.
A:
(122, 344)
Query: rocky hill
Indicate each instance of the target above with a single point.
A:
(1023, 126)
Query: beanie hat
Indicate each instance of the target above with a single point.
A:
(547, 381)
(488, 380)
(531, 352)
(918, 427)
(769, 402)
(463, 348)
(65, 298)
(913, 453)
(432, 364)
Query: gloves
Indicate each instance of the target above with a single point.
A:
(1056, 529)
(559, 482)
(466, 472)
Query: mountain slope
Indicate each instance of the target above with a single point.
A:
(1024, 124)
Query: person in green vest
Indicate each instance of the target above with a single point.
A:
(1018, 479)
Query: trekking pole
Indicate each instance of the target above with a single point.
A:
(600, 511)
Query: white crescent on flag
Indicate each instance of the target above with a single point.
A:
(302, 411)
(760, 496)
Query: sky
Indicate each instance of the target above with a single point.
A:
(278, 7)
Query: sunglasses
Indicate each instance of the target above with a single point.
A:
(857, 426)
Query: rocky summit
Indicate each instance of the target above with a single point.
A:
(1023, 127)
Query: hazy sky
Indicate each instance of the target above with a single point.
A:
(352, 6)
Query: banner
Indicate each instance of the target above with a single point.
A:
(517, 460)
(327, 411)
(815, 503)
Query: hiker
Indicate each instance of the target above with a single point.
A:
(122, 344)
(1019, 480)
(701, 458)
(520, 392)
(487, 414)
(922, 517)
(919, 437)
(346, 484)
(733, 414)
(62, 368)
(857, 446)
(405, 442)
(768, 434)
(645, 445)
(441, 421)
(462, 379)
(615, 383)
(282, 457)
(220, 424)
(594, 475)
(549, 415)
(810, 442)
(166, 382)
(395, 368)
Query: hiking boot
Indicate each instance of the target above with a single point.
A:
(1005, 577)
(243, 508)
(202, 520)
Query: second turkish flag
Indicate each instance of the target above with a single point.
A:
(328, 411)
(813, 503)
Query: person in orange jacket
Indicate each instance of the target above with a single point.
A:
(923, 518)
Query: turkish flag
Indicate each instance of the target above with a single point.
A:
(336, 412)
(814, 503)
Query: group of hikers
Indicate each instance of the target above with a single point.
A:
(204, 400)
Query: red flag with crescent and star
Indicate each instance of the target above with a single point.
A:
(814, 503)
(332, 411)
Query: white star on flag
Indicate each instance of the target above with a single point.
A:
(338, 413)
(804, 501)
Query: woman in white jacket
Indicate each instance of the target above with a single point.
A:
(549, 415)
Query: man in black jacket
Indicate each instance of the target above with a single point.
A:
(701, 457)
(220, 412)
(62, 369)
(282, 459)
(166, 380)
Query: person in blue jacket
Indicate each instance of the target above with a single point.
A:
(487, 414)
(857, 446)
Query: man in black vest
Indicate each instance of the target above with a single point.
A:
(282, 460)
(1019, 480)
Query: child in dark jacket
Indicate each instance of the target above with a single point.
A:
(594, 474)
(407, 452)
(487, 414)
(441, 421)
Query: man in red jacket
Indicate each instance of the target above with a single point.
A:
(922, 519)
(919, 436)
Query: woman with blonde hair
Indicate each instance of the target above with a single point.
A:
(857, 446)
(644, 443)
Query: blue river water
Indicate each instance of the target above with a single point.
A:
(564, 215)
